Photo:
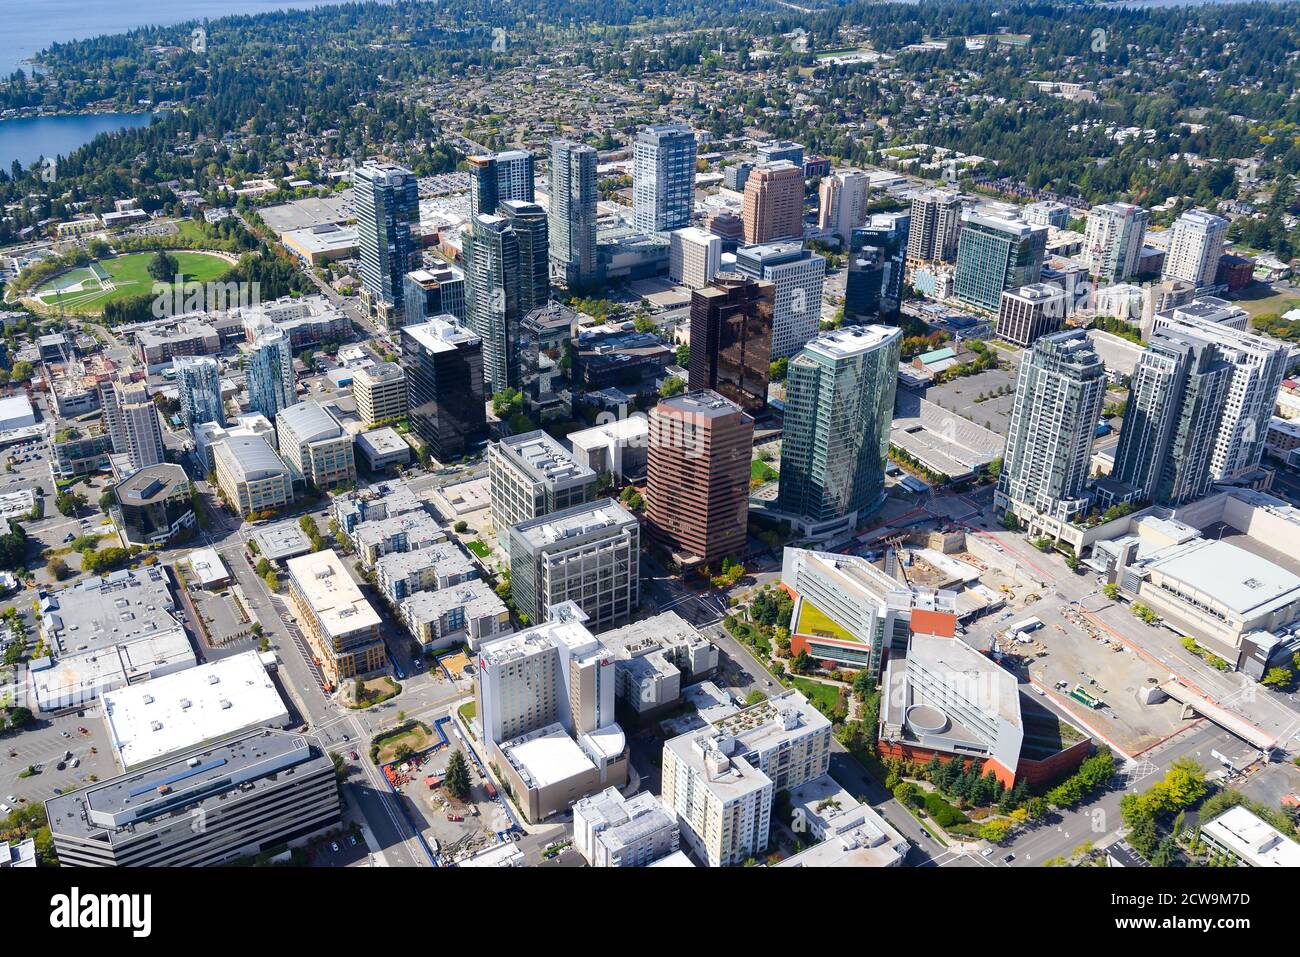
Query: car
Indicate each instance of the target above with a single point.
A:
(347, 737)
(334, 846)
(987, 852)
(58, 791)
(84, 730)
(61, 766)
(65, 734)
(76, 762)
(5, 809)
(352, 839)
(353, 756)
(1008, 859)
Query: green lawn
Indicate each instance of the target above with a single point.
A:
(130, 277)
(813, 622)
(820, 696)
(478, 548)
(760, 471)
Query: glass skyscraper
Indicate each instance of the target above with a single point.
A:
(443, 362)
(996, 251)
(268, 371)
(663, 178)
(388, 209)
(573, 212)
(198, 386)
(497, 177)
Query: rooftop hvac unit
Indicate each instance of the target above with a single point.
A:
(155, 725)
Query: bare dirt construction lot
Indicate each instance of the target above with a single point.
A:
(459, 828)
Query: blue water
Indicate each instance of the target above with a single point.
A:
(27, 139)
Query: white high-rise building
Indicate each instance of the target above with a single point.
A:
(936, 223)
(1195, 247)
(1113, 238)
(694, 256)
(798, 275)
(134, 426)
(843, 198)
(663, 178)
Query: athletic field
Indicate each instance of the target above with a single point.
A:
(87, 290)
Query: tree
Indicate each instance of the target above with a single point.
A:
(1278, 678)
(457, 778)
(684, 355)
(163, 267)
(673, 385)
(995, 831)
(107, 500)
(58, 568)
(1110, 591)
(778, 370)
(68, 503)
(461, 526)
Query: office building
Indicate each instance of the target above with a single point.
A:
(380, 393)
(497, 290)
(1059, 396)
(198, 386)
(610, 830)
(546, 360)
(1027, 313)
(735, 176)
(383, 449)
(936, 224)
(154, 505)
(467, 613)
(842, 204)
(694, 256)
(773, 204)
(663, 178)
(589, 554)
(339, 624)
(495, 178)
(877, 266)
(618, 449)
(727, 226)
(269, 374)
(572, 224)
(438, 291)
(316, 448)
(207, 435)
(1112, 243)
(780, 151)
(443, 362)
(720, 782)
(1247, 839)
(214, 805)
(839, 405)
(731, 339)
(996, 251)
(697, 492)
(798, 275)
(532, 475)
(1195, 246)
(1047, 214)
(545, 712)
(388, 207)
(253, 478)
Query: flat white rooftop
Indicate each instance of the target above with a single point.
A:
(184, 710)
(547, 756)
(1246, 584)
(331, 593)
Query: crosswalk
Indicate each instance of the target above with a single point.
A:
(291, 626)
(1134, 771)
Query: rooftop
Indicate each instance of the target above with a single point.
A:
(151, 483)
(852, 340)
(567, 629)
(1248, 585)
(282, 540)
(580, 521)
(249, 457)
(331, 593)
(1255, 841)
(440, 334)
(383, 441)
(546, 756)
(309, 422)
(543, 459)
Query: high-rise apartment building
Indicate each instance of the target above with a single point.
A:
(798, 275)
(731, 339)
(697, 494)
(663, 178)
(1029, 312)
(589, 554)
(198, 386)
(528, 220)
(573, 212)
(839, 406)
(134, 426)
(497, 177)
(1112, 243)
(380, 393)
(694, 256)
(996, 251)
(842, 204)
(1195, 245)
(773, 203)
(1059, 395)
(439, 291)
(269, 374)
(388, 208)
(443, 363)
(935, 226)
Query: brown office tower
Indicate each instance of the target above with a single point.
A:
(774, 203)
(697, 486)
(731, 339)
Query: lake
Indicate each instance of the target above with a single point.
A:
(27, 139)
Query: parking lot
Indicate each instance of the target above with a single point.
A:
(963, 397)
(44, 744)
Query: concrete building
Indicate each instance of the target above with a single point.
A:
(1195, 246)
(134, 426)
(438, 291)
(694, 256)
(406, 532)
(798, 275)
(272, 386)
(936, 224)
(469, 613)
(572, 222)
(532, 475)
(16, 413)
(849, 834)
(1030, 312)
(545, 708)
(839, 405)
(1045, 467)
(380, 393)
(387, 204)
(443, 363)
(1112, 244)
(198, 386)
(589, 554)
(721, 782)
(996, 251)
(400, 574)
(252, 476)
(780, 151)
(731, 339)
(154, 505)
(192, 708)
(370, 504)
(618, 449)
(1047, 214)
(337, 621)
(207, 435)
(655, 659)
(495, 178)
(663, 178)
(773, 207)
(842, 204)
(698, 473)
(316, 448)
(251, 792)
(307, 321)
(610, 830)
(382, 450)
(1249, 840)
